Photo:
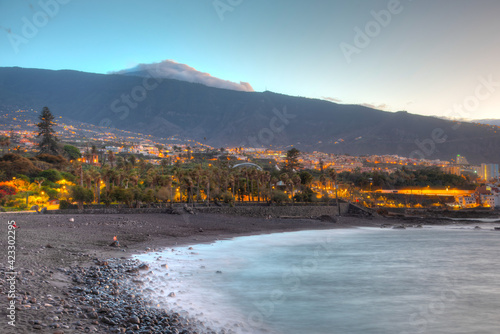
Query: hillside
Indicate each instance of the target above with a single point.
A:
(220, 117)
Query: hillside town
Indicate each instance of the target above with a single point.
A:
(94, 148)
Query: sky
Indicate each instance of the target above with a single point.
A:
(429, 57)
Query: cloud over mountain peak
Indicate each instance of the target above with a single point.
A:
(169, 69)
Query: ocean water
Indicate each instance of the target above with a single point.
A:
(367, 280)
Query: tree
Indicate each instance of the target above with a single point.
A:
(5, 141)
(111, 158)
(292, 160)
(81, 195)
(50, 174)
(306, 178)
(48, 144)
(72, 152)
(333, 175)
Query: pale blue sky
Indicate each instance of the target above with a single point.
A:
(427, 58)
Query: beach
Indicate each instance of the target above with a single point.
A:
(57, 255)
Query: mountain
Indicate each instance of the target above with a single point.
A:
(489, 121)
(220, 117)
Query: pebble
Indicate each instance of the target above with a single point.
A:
(105, 298)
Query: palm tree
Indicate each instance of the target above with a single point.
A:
(188, 181)
(333, 176)
(295, 182)
(232, 181)
(134, 177)
(285, 178)
(206, 178)
(322, 180)
(96, 176)
(266, 179)
(87, 177)
(272, 181)
(111, 158)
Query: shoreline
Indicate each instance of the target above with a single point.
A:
(54, 255)
(52, 252)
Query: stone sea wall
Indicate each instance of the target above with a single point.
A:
(278, 211)
(248, 211)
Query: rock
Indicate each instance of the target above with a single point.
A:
(218, 272)
(399, 227)
(200, 230)
(143, 266)
(35, 207)
(108, 321)
(71, 220)
(188, 209)
(48, 246)
(327, 218)
(477, 228)
(43, 211)
(134, 320)
(171, 294)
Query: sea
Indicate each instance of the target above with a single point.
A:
(435, 279)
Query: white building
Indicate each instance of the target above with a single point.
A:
(467, 201)
(492, 201)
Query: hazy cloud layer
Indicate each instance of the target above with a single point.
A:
(331, 99)
(169, 69)
(373, 106)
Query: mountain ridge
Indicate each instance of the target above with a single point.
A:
(221, 117)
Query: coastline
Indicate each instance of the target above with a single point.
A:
(57, 261)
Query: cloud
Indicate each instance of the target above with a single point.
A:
(169, 69)
(382, 106)
(331, 99)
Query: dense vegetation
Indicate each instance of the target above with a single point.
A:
(134, 181)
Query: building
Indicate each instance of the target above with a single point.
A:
(92, 159)
(455, 170)
(489, 172)
(467, 201)
(461, 160)
(492, 201)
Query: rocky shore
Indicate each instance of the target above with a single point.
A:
(70, 279)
